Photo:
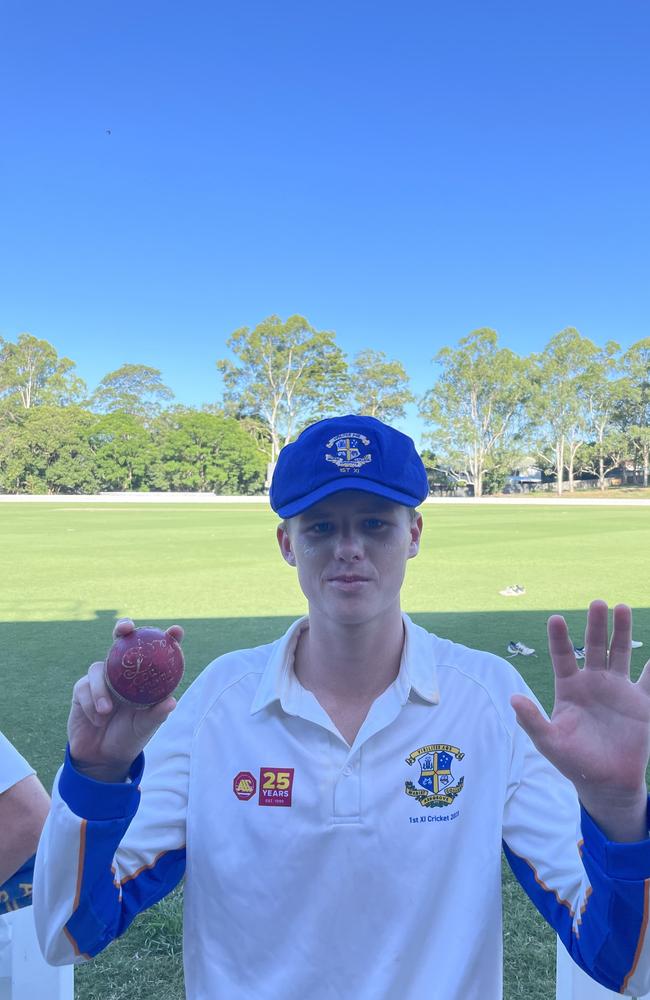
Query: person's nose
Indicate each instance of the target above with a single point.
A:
(349, 545)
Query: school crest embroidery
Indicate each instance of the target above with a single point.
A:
(350, 451)
(437, 784)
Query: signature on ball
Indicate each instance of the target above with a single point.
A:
(137, 661)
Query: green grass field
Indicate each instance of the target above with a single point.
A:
(69, 570)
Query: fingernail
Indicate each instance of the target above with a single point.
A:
(103, 705)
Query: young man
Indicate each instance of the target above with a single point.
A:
(337, 799)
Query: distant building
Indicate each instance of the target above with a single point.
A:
(523, 480)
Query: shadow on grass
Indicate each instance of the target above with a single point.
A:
(41, 660)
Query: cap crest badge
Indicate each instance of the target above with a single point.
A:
(349, 456)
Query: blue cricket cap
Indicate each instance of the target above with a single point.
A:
(347, 453)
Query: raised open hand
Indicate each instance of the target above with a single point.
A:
(599, 732)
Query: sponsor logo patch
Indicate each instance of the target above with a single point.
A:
(276, 785)
(437, 785)
(244, 785)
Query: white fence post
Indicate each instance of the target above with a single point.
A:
(24, 973)
(571, 983)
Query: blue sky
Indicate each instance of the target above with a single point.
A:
(399, 173)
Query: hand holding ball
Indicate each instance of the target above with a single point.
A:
(144, 666)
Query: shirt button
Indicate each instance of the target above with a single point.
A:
(347, 771)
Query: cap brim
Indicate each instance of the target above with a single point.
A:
(341, 486)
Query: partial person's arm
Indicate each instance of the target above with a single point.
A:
(23, 807)
(595, 893)
(114, 843)
(23, 810)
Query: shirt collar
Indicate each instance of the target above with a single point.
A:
(417, 672)
(418, 666)
(278, 678)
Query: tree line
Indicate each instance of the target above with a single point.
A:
(571, 409)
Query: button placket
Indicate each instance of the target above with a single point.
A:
(347, 792)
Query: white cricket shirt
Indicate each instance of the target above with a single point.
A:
(318, 870)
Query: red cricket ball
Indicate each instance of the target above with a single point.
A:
(143, 667)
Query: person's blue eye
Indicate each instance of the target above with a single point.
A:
(321, 527)
(375, 522)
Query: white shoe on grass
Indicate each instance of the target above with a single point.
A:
(518, 649)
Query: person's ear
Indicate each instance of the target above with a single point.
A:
(286, 548)
(415, 529)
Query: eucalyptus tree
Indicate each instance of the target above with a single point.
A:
(633, 409)
(477, 406)
(288, 374)
(557, 404)
(602, 390)
(379, 387)
(33, 374)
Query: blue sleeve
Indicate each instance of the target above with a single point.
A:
(606, 937)
(16, 892)
(106, 903)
